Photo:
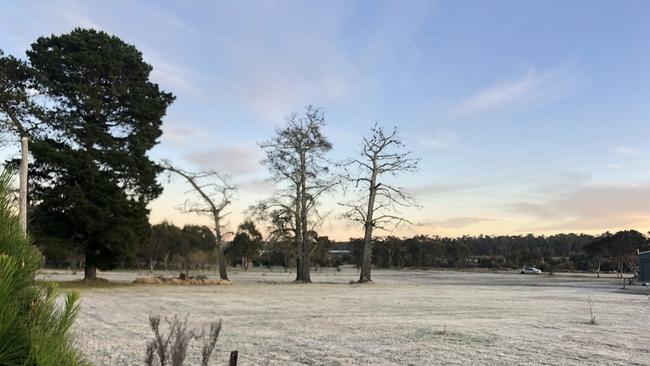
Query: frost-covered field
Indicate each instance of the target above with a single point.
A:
(490, 319)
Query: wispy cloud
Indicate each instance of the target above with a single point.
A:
(273, 73)
(455, 222)
(532, 86)
(234, 160)
(440, 141)
(171, 20)
(257, 185)
(590, 207)
(626, 151)
(171, 76)
(433, 189)
(73, 14)
(178, 134)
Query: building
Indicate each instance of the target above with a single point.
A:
(644, 266)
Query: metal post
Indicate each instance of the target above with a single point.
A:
(233, 358)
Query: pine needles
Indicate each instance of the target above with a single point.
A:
(34, 329)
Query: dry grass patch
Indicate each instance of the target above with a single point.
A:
(158, 280)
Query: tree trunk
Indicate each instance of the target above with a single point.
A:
(305, 278)
(24, 165)
(298, 238)
(223, 270)
(90, 272)
(366, 260)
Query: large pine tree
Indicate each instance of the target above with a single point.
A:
(92, 177)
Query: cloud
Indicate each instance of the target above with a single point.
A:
(73, 14)
(532, 86)
(539, 210)
(303, 60)
(590, 207)
(171, 76)
(434, 189)
(614, 166)
(170, 19)
(564, 182)
(456, 222)
(627, 151)
(276, 87)
(234, 160)
(181, 135)
(257, 185)
(440, 141)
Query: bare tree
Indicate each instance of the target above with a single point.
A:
(215, 194)
(295, 158)
(382, 154)
(19, 115)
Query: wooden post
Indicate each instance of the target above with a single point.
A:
(22, 196)
(233, 358)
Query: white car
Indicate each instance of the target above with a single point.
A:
(531, 270)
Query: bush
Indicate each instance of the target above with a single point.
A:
(171, 349)
(34, 330)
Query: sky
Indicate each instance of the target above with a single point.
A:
(528, 116)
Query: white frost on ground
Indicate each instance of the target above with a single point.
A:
(490, 319)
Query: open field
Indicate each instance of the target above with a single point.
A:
(490, 319)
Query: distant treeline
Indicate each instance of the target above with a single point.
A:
(560, 252)
(192, 247)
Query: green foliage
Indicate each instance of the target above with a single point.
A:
(557, 252)
(92, 176)
(320, 255)
(18, 111)
(187, 246)
(247, 242)
(197, 237)
(619, 248)
(34, 330)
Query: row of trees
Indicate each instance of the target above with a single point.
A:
(609, 252)
(192, 247)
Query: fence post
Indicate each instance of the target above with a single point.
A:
(233, 358)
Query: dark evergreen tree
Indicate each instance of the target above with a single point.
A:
(92, 176)
(246, 244)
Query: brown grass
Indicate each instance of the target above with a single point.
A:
(83, 284)
(177, 281)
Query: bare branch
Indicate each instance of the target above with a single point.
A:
(381, 153)
(212, 204)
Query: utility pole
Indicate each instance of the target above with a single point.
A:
(22, 196)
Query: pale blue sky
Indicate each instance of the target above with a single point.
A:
(529, 116)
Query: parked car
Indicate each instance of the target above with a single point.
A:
(531, 270)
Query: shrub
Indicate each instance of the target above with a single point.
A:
(34, 330)
(173, 347)
(592, 317)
